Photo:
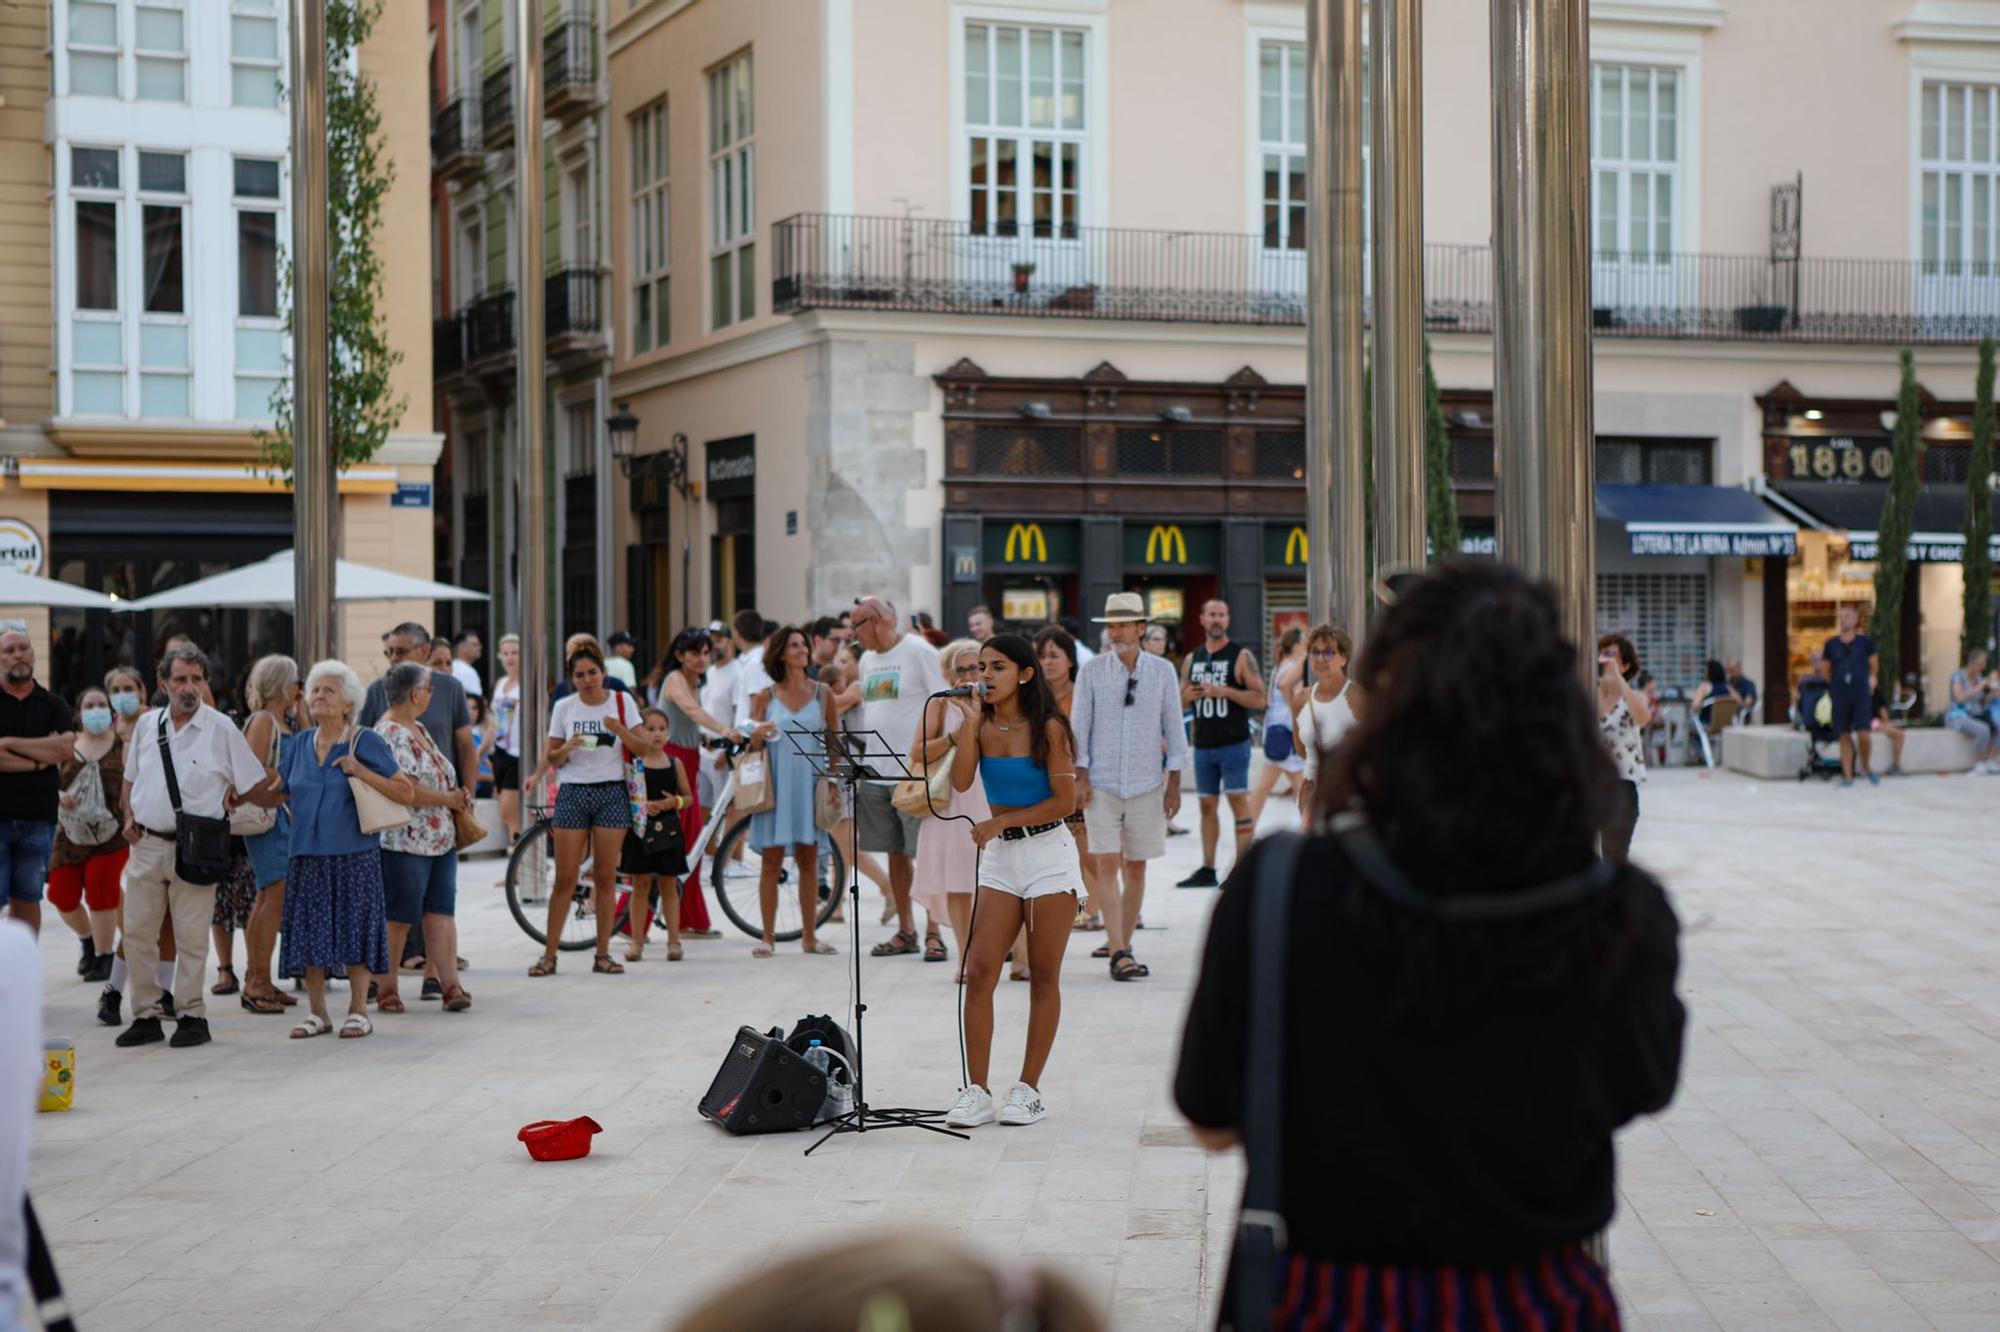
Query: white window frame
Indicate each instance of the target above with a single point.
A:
(468, 246)
(180, 57)
(67, 242)
(469, 59)
(1091, 18)
(575, 407)
(239, 205)
(183, 200)
(1067, 187)
(732, 194)
(1624, 282)
(273, 67)
(1969, 62)
(650, 198)
(116, 51)
(1262, 147)
(1636, 81)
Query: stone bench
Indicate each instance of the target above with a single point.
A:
(1780, 751)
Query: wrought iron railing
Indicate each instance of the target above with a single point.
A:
(571, 304)
(496, 103)
(448, 345)
(489, 327)
(1008, 268)
(455, 129)
(569, 59)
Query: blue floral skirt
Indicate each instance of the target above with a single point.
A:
(334, 915)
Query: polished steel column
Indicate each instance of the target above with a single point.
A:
(315, 486)
(1541, 277)
(538, 649)
(1337, 581)
(1396, 105)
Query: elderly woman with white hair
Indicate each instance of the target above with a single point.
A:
(334, 917)
(273, 695)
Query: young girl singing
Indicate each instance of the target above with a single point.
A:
(1018, 743)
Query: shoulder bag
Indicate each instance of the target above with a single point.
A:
(376, 812)
(201, 843)
(91, 823)
(247, 820)
(1260, 1228)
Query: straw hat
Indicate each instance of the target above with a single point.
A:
(1123, 608)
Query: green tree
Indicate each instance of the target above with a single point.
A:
(363, 409)
(1440, 508)
(1979, 514)
(1899, 508)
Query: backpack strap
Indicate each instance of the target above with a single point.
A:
(1260, 1230)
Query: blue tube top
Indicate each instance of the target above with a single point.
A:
(1018, 782)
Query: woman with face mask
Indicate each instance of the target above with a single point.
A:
(89, 853)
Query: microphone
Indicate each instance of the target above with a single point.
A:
(964, 691)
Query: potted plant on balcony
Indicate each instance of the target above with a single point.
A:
(1022, 272)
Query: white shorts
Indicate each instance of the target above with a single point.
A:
(1032, 867)
(1134, 827)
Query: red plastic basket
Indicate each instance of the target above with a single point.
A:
(560, 1139)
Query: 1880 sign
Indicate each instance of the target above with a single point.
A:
(1842, 458)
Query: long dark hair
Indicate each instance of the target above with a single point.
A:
(1479, 764)
(687, 640)
(1717, 676)
(774, 651)
(1038, 701)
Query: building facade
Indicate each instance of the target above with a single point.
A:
(146, 211)
(475, 238)
(972, 302)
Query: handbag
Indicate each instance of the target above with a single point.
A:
(1278, 743)
(755, 791)
(91, 823)
(635, 777)
(201, 843)
(1261, 1241)
(376, 812)
(247, 820)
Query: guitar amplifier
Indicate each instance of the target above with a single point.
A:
(764, 1087)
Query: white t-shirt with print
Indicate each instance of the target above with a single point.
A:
(602, 757)
(894, 685)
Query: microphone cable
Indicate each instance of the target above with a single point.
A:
(978, 855)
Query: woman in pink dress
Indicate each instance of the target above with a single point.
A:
(947, 872)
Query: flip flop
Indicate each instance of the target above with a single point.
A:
(1102, 950)
(822, 948)
(261, 1003)
(761, 950)
(222, 986)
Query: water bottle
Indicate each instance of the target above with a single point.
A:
(816, 1056)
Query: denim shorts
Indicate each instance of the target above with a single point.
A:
(593, 805)
(417, 886)
(24, 857)
(1223, 769)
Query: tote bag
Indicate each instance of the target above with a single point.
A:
(375, 811)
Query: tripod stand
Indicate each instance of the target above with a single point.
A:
(831, 757)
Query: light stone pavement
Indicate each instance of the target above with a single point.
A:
(1829, 1162)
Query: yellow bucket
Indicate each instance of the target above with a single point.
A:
(58, 1074)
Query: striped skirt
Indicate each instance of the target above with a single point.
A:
(1564, 1290)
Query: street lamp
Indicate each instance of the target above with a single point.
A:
(670, 463)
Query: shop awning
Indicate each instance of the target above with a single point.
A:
(1937, 533)
(1697, 520)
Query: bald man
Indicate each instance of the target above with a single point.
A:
(898, 672)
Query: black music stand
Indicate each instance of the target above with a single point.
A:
(845, 759)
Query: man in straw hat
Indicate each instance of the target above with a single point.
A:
(1129, 752)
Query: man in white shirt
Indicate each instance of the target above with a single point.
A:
(214, 769)
(751, 677)
(898, 673)
(618, 660)
(466, 650)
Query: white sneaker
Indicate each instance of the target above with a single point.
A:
(1024, 1106)
(973, 1108)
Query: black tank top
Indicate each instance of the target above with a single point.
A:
(1217, 721)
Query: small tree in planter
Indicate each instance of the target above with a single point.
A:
(1899, 508)
(1022, 272)
(1440, 506)
(1978, 564)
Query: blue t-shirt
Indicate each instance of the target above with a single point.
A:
(1847, 663)
(323, 819)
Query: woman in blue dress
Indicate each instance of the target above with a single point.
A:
(334, 914)
(794, 702)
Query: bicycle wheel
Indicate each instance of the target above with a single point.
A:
(735, 881)
(531, 879)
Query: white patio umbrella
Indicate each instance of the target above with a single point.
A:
(19, 589)
(269, 584)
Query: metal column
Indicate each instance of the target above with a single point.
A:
(1544, 442)
(315, 487)
(1396, 88)
(530, 391)
(1337, 587)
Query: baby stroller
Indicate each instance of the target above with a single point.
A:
(1813, 714)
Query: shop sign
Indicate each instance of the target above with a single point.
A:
(1030, 545)
(1171, 546)
(1285, 546)
(1749, 545)
(965, 564)
(21, 547)
(411, 495)
(1024, 605)
(732, 468)
(1923, 549)
(1483, 544)
(1166, 603)
(1843, 458)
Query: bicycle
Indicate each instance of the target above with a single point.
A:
(734, 874)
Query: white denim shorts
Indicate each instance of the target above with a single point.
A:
(1033, 866)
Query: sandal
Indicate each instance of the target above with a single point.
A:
(674, 953)
(356, 1026)
(314, 1025)
(760, 950)
(1102, 950)
(261, 1003)
(636, 953)
(288, 1000)
(1018, 974)
(899, 943)
(1131, 971)
(604, 966)
(456, 1000)
(221, 986)
(545, 967)
(390, 1003)
(820, 947)
(414, 964)
(934, 949)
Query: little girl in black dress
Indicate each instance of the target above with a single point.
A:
(660, 868)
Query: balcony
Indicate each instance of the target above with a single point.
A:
(448, 346)
(496, 107)
(569, 68)
(489, 330)
(825, 261)
(455, 146)
(572, 313)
